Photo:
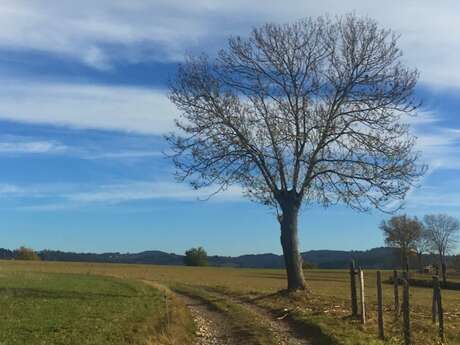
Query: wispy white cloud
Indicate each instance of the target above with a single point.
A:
(435, 196)
(164, 30)
(440, 147)
(63, 196)
(32, 192)
(11, 145)
(104, 31)
(422, 118)
(123, 155)
(148, 191)
(31, 147)
(90, 31)
(435, 200)
(82, 106)
(8, 190)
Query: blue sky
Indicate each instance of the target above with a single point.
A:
(83, 109)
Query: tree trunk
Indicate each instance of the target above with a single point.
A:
(404, 261)
(443, 270)
(420, 262)
(290, 244)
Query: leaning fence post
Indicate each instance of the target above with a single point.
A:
(396, 293)
(406, 311)
(437, 287)
(362, 297)
(354, 299)
(434, 305)
(380, 305)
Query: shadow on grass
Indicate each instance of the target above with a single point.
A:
(58, 294)
(302, 327)
(311, 331)
(279, 276)
(268, 275)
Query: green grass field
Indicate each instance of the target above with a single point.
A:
(325, 310)
(56, 308)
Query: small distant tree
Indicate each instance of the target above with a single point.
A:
(422, 246)
(24, 253)
(308, 265)
(402, 232)
(442, 233)
(456, 262)
(196, 257)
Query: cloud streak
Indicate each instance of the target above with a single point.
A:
(99, 33)
(440, 148)
(31, 147)
(63, 196)
(129, 109)
(119, 193)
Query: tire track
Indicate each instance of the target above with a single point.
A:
(212, 328)
(285, 332)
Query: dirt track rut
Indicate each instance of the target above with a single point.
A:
(283, 330)
(212, 327)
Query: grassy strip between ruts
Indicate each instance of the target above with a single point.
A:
(247, 327)
(67, 309)
(322, 329)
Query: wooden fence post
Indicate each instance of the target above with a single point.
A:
(362, 297)
(437, 287)
(380, 305)
(434, 305)
(406, 312)
(444, 274)
(354, 298)
(396, 293)
(167, 310)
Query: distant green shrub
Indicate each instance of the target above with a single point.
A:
(308, 265)
(196, 257)
(24, 253)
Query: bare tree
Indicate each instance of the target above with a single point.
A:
(422, 246)
(442, 232)
(300, 113)
(403, 233)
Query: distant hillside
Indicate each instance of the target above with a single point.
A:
(248, 261)
(148, 257)
(382, 257)
(373, 258)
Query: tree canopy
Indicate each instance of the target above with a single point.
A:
(196, 257)
(442, 234)
(404, 233)
(315, 107)
(24, 253)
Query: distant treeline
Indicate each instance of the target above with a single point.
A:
(383, 257)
